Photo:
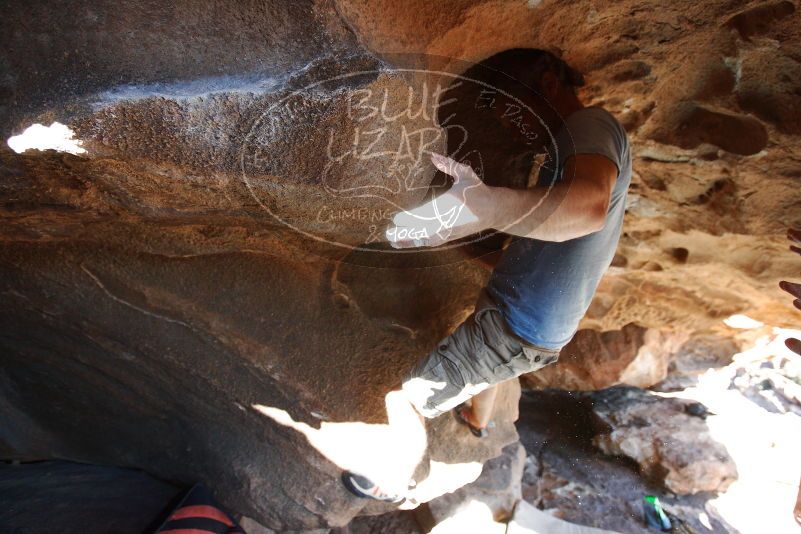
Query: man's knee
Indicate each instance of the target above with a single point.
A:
(439, 383)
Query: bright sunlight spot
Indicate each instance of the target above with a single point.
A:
(742, 322)
(39, 137)
(754, 402)
(386, 453)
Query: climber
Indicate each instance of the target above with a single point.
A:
(564, 232)
(794, 289)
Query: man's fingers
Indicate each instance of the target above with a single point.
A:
(439, 162)
(793, 344)
(399, 245)
(794, 235)
(405, 243)
(410, 218)
(792, 288)
(416, 243)
(451, 166)
(416, 235)
(434, 213)
(398, 237)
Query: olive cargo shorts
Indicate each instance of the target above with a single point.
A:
(481, 352)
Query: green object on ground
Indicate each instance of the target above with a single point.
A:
(654, 514)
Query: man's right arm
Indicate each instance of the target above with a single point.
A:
(474, 207)
(581, 205)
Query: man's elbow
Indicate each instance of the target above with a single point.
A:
(594, 220)
(597, 218)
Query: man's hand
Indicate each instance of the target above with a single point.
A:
(792, 288)
(466, 208)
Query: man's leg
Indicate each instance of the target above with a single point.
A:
(481, 407)
(481, 353)
(465, 366)
(797, 509)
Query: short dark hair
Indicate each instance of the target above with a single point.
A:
(529, 64)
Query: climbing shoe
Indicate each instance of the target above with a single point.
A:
(458, 413)
(363, 487)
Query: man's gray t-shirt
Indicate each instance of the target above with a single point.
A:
(543, 288)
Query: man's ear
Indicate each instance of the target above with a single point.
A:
(550, 85)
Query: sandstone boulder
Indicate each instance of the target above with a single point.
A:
(593, 360)
(498, 487)
(668, 438)
(569, 478)
(162, 293)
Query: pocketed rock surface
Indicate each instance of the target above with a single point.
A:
(668, 438)
(196, 262)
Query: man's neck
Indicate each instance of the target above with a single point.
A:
(563, 106)
(570, 105)
(566, 104)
